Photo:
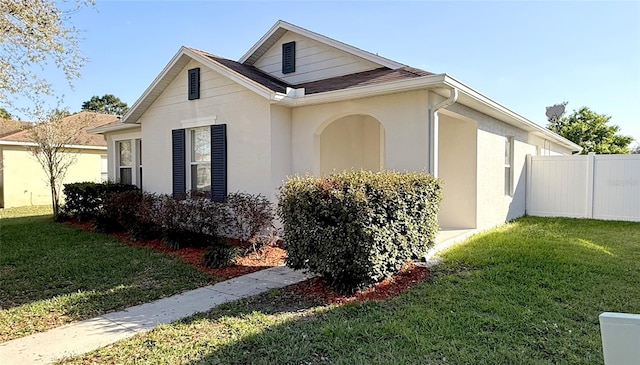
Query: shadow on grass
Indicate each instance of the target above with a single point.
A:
(10, 221)
(533, 296)
(52, 274)
(411, 329)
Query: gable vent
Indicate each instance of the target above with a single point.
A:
(194, 84)
(288, 57)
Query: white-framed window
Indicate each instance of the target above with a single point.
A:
(139, 162)
(199, 161)
(125, 162)
(104, 169)
(508, 166)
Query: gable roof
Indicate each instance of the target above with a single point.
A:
(391, 77)
(258, 81)
(83, 120)
(281, 27)
(247, 76)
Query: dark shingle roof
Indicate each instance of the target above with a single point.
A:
(377, 76)
(250, 72)
(372, 77)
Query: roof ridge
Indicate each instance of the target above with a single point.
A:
(281, 27)
(205, 53)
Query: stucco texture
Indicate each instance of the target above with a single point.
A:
(25, 183)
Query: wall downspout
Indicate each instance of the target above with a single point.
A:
(433, 130)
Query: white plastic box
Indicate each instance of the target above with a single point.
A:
(620, 338)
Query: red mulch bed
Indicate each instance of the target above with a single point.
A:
(313, 289)
(316, 289)
(267, 256)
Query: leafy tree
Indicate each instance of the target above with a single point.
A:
(4, 114)
(106, 104)
(636, 149)
(52, 136)
(591, 131)
(35, 33)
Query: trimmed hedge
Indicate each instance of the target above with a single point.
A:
(84, 200)
(133, 211)
(193, 221)
(356, 228)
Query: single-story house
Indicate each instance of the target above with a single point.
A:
(299, 102)
(22, 179)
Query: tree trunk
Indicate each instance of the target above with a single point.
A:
(54, 199)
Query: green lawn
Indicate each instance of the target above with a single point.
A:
(52, 274)
(529, 292)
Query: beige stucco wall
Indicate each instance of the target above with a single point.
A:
(24, 181)
(494, 206)
(246, 114)
(267, 142)
(403, 117)
(458, 161)
(281, 152)
(351, 143)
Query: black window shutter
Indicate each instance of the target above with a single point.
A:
(288, 57)
(179, 162)
(219, 162)
(194, 83)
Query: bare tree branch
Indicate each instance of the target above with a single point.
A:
(33, 34)
(53, 136)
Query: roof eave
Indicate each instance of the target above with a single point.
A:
(133, 114)
(70, 146)
(179, 61)
(510, 114)
(426, 82)
(113, 128)
(239, 78)
(416, 83)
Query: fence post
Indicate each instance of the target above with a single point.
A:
(527, 187)
(590, 175)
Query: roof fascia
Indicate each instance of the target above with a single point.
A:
(134, 113)
(510, 114)
(73, 146)
(426, 82)
(134, 108)
(224, 71)
(322, 39)
(366, 91)
(113, 128)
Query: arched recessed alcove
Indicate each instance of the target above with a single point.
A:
(352, 142)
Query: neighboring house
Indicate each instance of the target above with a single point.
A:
(298, 102)
(22, 179)
(8, 127)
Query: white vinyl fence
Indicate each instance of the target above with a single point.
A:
(584, 186)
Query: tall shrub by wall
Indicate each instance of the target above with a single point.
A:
(356, 228)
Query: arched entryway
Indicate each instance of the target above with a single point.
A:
(352, 142)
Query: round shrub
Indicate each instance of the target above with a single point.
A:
(356, 228)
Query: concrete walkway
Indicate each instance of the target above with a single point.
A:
(78, 338)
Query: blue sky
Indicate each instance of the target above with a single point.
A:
(525, 55)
